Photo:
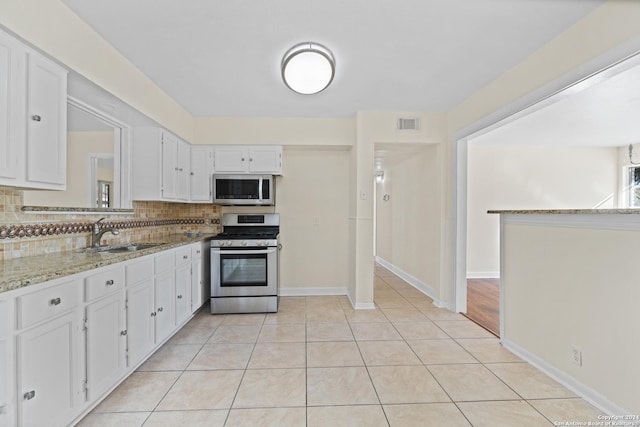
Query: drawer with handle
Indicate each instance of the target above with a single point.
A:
(47, 303)
(196, 251)
(183, 255)
(103, 283)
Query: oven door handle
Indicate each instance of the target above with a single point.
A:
(243, 252)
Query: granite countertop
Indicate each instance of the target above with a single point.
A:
(569, 211)
(20, 272)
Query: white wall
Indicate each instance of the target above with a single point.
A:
(569, 286)
(79, 145)
(507, 177)
(408, 224)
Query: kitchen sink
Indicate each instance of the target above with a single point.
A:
(124, 248)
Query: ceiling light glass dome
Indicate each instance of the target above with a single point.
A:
(308, 68)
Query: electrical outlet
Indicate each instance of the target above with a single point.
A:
(576, 355)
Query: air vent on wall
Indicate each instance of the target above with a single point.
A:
(412, 123)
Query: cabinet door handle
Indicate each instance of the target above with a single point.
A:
(160, 309)
(242, 159)
(29, 395)
(192, 173)
(179, 296)
(250, 159)
(180, 169)
(185, 256)
(198, 251)
(153, 314)
(109, 282)
(36, 118)
(123, 333)
(55, 301)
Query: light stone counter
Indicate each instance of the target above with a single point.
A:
(20, 272)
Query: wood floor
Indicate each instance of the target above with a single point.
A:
(483, 303)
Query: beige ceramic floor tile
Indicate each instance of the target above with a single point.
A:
(463, 329)
(565, 410)
(440, 352)
(244, 319)
(528, 381)
(171, 358)
(328, 354)
(339, 386)
(329, 332)
(365, 316)
(502, 414)
(242, 334)
(385, 291)
(288, 317)
(192, 334)
(267, 417)
(425, 415)
(202, 390)
(263, 388)
(222, 356)
(436, 313)
(320, 315)
(201, 418)
(488, 350)
(278, 355)
(397, 302)
(410, 292)
(291, 304)
(426, 330)
(406, 384)
(387, 353)
(420, 301)
(114, 419)
(471, 382)
(141, 391)
(283, 333)
(206, 320)
(408, 314)
(346, 416)
(375, 332)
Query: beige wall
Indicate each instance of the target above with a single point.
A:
(578, 287)
(503, 177)
(79, 145)
(408, 224)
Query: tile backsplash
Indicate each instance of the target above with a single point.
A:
(37, 233)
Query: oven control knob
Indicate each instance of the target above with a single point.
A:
(244, 243)
(228, 243)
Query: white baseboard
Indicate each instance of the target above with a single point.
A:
(308, 292)
(585, 392)
(416, 283)
(483, 275)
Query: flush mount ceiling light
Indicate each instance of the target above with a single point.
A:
(308, 68)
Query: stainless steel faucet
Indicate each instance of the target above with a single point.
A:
(97, 233)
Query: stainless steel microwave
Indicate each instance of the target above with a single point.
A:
(248, 189)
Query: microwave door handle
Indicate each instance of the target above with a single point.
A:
(260, 188)
(241, 252)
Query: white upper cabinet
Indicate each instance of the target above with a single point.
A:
(265, 159)
(200, 176)
(161, 166)
(33, 118)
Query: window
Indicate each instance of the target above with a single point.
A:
(104, 196)
(632, 187)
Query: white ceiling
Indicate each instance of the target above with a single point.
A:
(602, 111)
(222, 58)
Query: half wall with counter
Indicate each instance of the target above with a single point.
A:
(570, 296)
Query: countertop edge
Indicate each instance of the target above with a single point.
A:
(568, 211)
(88, 262)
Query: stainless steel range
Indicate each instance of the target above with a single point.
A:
(244, 264)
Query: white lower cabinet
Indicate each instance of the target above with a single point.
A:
(50, 372)
(140, 322)
(65, 345)
(106, 343)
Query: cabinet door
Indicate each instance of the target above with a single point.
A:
(184, 168)
(106, 340)
(183, 292)
(140, 314)
(49, 373)
(169, 165)
(46, 123)
(197, 285)
(266, 159)
(12, 72)
(201, 160)
(230, 159)
(163, 292)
